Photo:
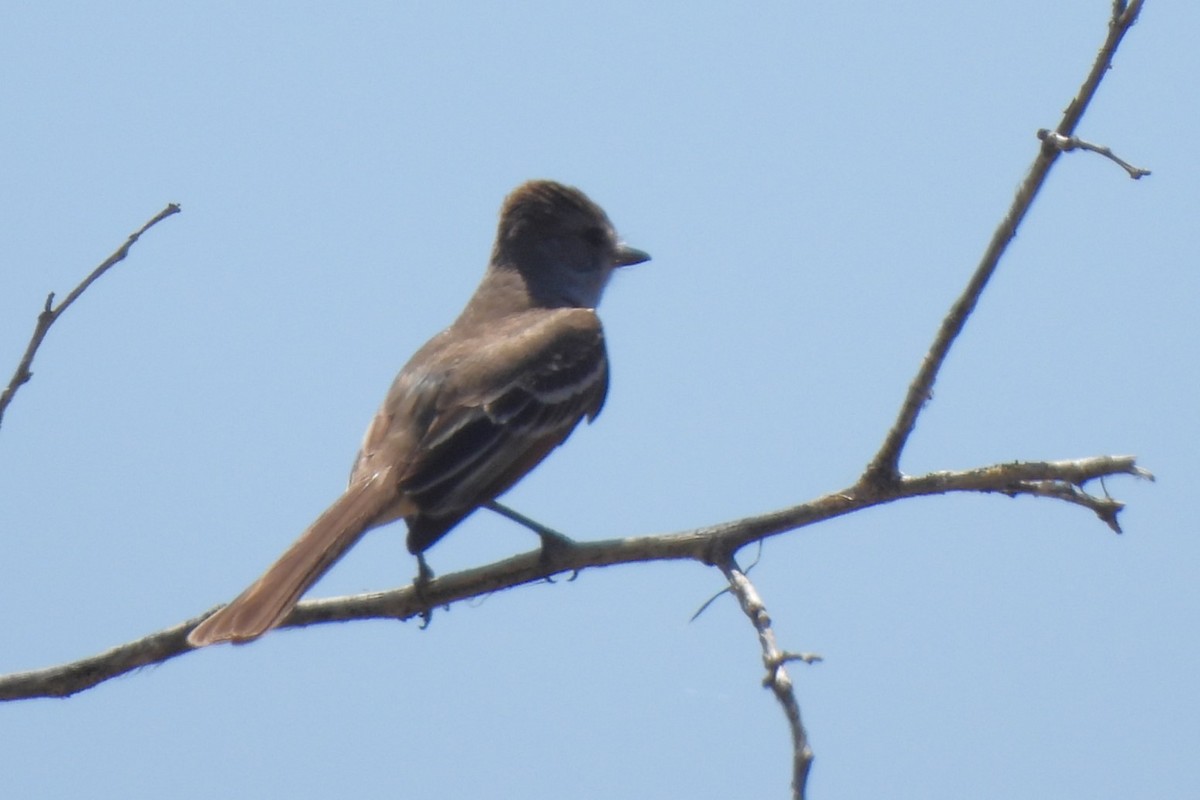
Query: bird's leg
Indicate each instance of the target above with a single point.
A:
(552, 540)
(420, 583)
(424, 574)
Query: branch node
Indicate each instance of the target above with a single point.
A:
(881, 477)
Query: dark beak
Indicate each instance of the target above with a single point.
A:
(627, 256)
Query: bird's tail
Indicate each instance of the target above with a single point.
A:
(269, 599)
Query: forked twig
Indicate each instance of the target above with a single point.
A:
(885, 466)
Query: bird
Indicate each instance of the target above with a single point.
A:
(476, 407)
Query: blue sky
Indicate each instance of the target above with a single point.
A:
(815, 183)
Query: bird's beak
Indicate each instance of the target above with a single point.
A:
(626, 256)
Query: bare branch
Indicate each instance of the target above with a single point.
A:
(881, 482)
(777, 678)
(51, 313)
(885, 466)
(714, 544)
(68, 679)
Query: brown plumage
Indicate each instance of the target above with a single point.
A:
(476, 408)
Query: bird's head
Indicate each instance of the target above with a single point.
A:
(561, 242)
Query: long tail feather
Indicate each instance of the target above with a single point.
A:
(269, 599)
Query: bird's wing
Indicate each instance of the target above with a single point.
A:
(492, 409)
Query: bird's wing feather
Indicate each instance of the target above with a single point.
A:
(503, 407)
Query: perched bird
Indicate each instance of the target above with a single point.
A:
(477, 407)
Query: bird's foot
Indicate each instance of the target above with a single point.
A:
(554, 544)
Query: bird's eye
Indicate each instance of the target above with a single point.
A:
(596, 236)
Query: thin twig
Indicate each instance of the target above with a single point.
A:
(777, 678)
(1105, 508)
(1069, 143)
(50, 312)
(885, 466)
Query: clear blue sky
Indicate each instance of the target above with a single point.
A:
(815, 182)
